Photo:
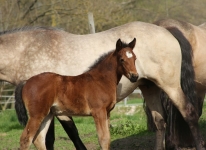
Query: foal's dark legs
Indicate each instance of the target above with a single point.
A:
(71, 131)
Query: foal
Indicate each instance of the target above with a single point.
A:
(92, 93)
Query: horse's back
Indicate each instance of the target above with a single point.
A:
(69, 54)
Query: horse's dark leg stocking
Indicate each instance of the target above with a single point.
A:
(72, 132)
(50, 137)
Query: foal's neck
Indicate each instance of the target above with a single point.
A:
(107, 70)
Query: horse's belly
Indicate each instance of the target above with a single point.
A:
(200, 71)
(200, 78)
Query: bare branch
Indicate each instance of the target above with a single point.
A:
(30, 8)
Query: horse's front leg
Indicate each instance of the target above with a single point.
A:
(71, 130)
(151, 95)
(101, 122)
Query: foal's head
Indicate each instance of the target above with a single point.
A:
(126, 59)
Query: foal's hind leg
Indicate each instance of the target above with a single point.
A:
(29, 132)
(39, 139)
(151, 95)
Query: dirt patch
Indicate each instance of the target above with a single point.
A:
(91, 146)
(3, 134)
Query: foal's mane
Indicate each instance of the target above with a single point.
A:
(27, 28)
(103, 56)
(99, 60)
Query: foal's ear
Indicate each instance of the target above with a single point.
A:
(118, 45)
(132, 44)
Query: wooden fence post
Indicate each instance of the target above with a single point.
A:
(91, 22)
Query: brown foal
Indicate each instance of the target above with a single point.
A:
(92, 93)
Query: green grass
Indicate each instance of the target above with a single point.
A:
(131, 101)
(127, 129)
(121, 126)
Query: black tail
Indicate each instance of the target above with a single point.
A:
(19, 105)
(187, 70)
(178, 130)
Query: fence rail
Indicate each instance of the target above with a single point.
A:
(6, 96)
(137, 91)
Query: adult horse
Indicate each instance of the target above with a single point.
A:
(92, 93)
(159, 62)
(178, 132)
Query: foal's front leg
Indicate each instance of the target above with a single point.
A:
(101, 122)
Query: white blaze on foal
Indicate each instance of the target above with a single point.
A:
(129, 54)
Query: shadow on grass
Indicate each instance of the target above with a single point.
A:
(142, 141)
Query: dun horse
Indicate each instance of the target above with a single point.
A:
(178, 132)
(91, 93)
(159, 62)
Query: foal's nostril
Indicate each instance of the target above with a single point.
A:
(133, 77)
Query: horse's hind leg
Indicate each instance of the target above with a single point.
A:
(188, 112)
(29, 132)
(39, 139)
(71, 130)
(151, 96)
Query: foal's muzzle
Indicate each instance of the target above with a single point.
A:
(133, 77)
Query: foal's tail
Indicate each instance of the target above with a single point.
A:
(19, 105)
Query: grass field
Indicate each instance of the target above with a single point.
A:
(128, 130)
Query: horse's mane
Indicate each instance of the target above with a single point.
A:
(28, 28)
(103, 56)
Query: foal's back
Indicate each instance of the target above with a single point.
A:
(58, 93)
(65, 95)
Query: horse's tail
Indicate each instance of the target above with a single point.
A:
(187, 70)
(19, 105)
(178, 130)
